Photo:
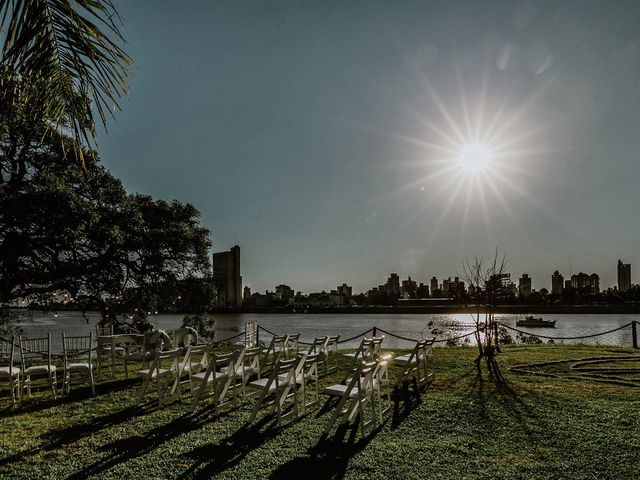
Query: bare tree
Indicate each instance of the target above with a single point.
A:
(485, 289)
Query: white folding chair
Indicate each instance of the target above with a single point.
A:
(331, 351)
(354, 398)
(276, 348)
(152, 342)
(74, 348)
(9, 373)
(197, 359)
(278, 388)
(307, 378)
(37, 369)
(319, 347)
(247, 364)
(106, 348)
(166, 379)
(417, 363)
(359, 353)
(218, 378)
(291, 347)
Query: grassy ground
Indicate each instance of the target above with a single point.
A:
(505, 425)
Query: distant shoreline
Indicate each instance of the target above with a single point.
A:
(445, 309)
(627, 309)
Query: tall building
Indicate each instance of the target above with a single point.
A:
(226, 277)
(246, 293)
(582, 281)
(422, 291)
(392, 286)
(434, 285)
(285, 292)
(524, 285)
(557, 282)
(624, 276)
(345, 290)
(409, 288)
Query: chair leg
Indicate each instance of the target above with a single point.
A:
(93, 385)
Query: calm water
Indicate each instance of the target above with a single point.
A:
(347, 325)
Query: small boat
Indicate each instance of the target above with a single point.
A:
(532, 321)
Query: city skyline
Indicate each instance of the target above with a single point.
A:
(334, 141)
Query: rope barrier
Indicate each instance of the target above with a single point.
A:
(398, 336)
(311, 343)
(455, 338)
(564, 338)
(228, 338)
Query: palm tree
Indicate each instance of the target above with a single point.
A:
(64, 57)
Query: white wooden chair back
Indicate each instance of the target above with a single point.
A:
(104, 330)
(277, 347)
(360, 352)
(9, 373)
(279, 388)
(250, 366)
(375, 348)
(310, 377)
(166, 379)
(354, 398)
(291, 347)
(330, 365)
(36, 366)
(217, 379)
(77, 348)
(418, 364)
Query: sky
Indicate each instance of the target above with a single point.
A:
(337, 142)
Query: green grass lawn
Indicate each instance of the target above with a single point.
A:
(514, 426)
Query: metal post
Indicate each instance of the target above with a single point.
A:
(375, 331)
(634, 334)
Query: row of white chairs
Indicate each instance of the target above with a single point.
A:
(292, 384)
(36, 368)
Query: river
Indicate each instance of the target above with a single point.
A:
(347, 325)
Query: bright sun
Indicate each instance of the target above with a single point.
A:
(474, 158)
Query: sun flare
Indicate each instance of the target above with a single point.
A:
(474, 158)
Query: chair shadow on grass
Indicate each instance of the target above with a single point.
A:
(65, 436)
(406, 400)
(212, 459)
(123, 450)
(45, 400)
(330, 457)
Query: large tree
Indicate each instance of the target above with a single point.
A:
(74, 228)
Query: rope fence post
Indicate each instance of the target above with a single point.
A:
(634, 334)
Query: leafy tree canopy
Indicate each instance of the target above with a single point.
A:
(73, 228)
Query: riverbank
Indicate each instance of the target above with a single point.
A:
(513, 426)
(445, 309)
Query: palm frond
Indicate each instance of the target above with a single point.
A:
(68, 52)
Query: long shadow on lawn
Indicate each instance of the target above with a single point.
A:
(76, 395)
(210, 460)
(135, 446)
(59, 438)
(329, 458)
(509, 397)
